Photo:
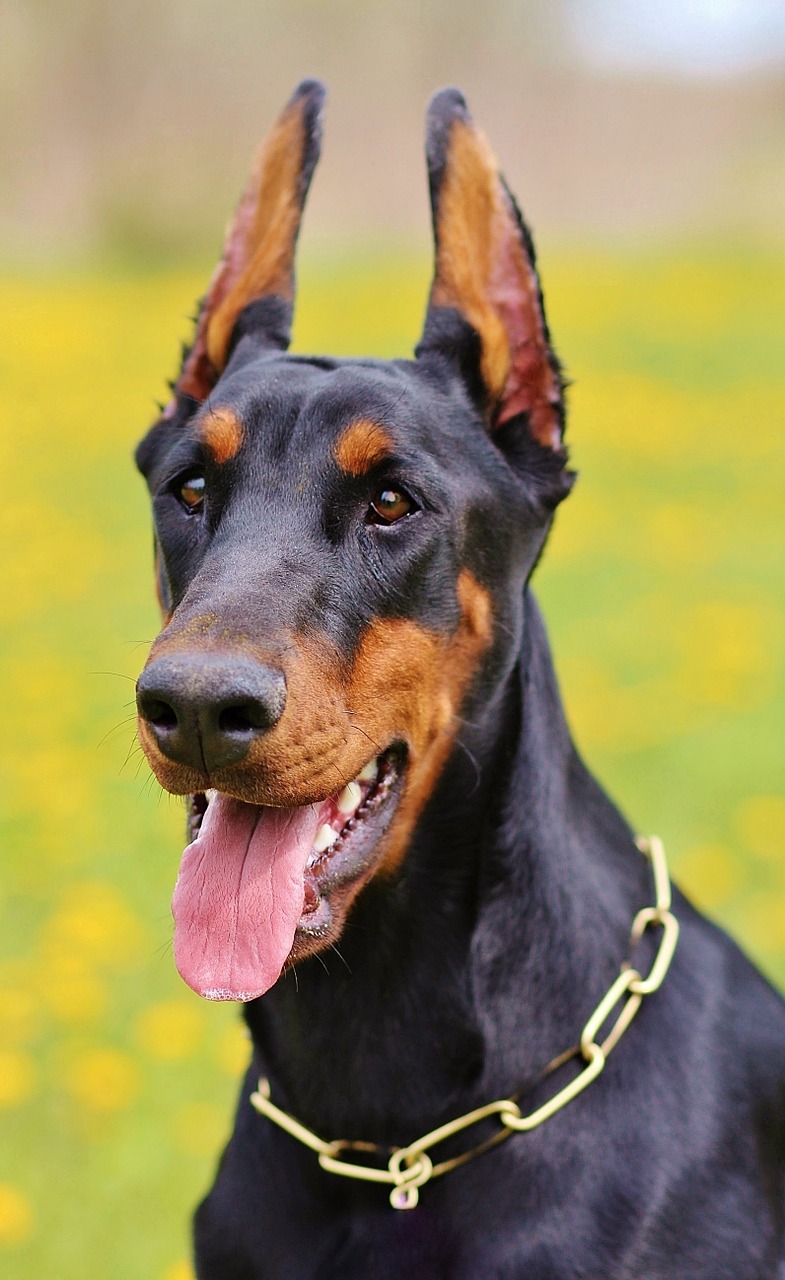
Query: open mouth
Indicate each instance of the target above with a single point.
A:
(259, 885)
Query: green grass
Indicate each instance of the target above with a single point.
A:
(663, 586)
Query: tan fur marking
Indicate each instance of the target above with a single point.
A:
(427, 676)
(483, 271)
(268, 219)
(300, 759)
(407, 683)
(222, 433)
(362, 445)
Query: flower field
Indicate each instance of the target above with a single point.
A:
(664, 588)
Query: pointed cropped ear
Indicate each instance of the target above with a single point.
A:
(257, 265)
(485, 272)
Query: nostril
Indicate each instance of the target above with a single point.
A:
(204, 710)
(158, 713)
(238, 720)
(249, 715)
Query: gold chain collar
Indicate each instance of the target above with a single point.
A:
(409, 1168)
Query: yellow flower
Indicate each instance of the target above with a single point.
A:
(233, 1049)
(71, 989)
(763, 921)
(102, 1080)
(93, 922)
(17, 1078)
(170, 1029)
(708, 873)
(179, 1271)
(199, 1128)
(16, 1216)
(20, 1016)
(760, 823)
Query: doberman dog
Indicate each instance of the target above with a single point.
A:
(353, 688)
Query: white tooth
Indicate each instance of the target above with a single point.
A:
(210, 795)
(349, 798)
(368, 774)
(324, 837)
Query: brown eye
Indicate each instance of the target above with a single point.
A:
(389, 505)
(191, 493)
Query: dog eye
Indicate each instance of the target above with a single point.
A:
(191, 492)
(389, 505)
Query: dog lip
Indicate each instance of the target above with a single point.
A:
(354, 853)
(346, 804)
(196, 807)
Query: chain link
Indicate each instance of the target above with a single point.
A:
(409, 1168)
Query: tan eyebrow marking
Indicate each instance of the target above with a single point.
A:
(222, 433)
(361, 446)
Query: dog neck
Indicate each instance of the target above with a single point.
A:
(459, 982)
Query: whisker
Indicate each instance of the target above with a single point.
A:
(368, 736)
(134, 746)
(148, 782)
(473, 761)
(120, 725)
(140, 762)
(165, 949)
(343, 959)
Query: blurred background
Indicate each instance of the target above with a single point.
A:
(646, 144)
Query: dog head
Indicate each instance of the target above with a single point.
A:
(341, 552)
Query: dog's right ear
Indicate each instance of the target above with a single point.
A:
(252, 290)
(485, 312)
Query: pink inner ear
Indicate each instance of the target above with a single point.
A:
(513, 291)
(198, 375)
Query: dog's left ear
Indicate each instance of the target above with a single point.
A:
(252, 290)
(485, 309)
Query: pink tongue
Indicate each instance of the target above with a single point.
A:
(239, 896)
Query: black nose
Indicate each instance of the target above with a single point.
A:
(205, 709)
